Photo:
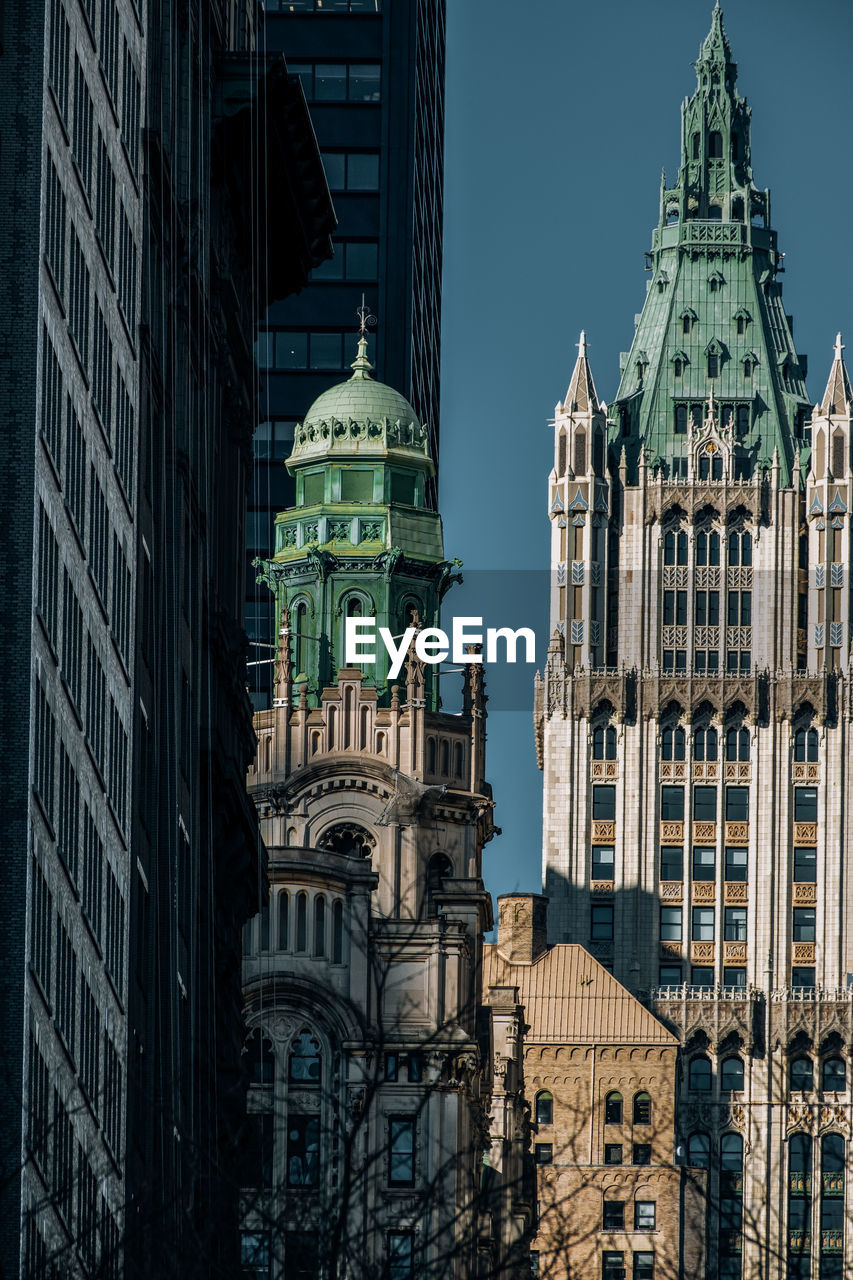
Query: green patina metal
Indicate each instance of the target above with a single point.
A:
(361, 541)
(713, 321)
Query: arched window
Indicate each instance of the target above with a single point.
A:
(283, 919)
(613, 1108)
(681, 416)
(445, 758)
(642, 1108)
(302, 922)
(347, 838)
(699, 1150)
(731, 1075)
(708, 548)
(544, 1108)
(713, 358)
(699, 1074)
(319, 926)
(715, 144)
(265, 928)
(678, 367)
(561, 454)
(598, 452)
(805, 745)
(672, 744)
(832, 1153)
(802, 1074)
(675, 547)
(458, 760)
(705, 744)
(260, 1059)
(304, 1066)
(604, 742)
(299, 625)
(580, 453)
(800, 1153)
(438, 869)
(338, 932)
(431, 755)
(834, 1075)
(737, 743)
(838, 452)
(740, 548)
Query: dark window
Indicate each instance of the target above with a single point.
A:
(614, 1215)
(670, 924)
(392, 1067)
(705, 744)
(642, 1153)
(669, 975)
(681, 409)
(305, 1060)
(642, 1108)
(715, 144)
(601, 922)
(671, 804)
(543, 1153)
(734, 976)
(672, 740)
(401, 1255)
(737, 744)
(699, 1150)
(699, 1074)
(736, 864)
(702, 929)
(737, 804)
(802, 977)
(731, 1075)
(705, 804)
(671, 862)
(612, 1265)
(804, 924)
(415, 1067)
(805, 804)
(805, 742)
(613, 1153)
(401, 1151)
(544, 1108)
(613, 1108)
(303, 1151)
(704, 863)
(644, 1263)
(832, 1153)
(602, 862)
(834, 1075)
(604, 803)
(802, 1074)
(713, 360)
(702, 975)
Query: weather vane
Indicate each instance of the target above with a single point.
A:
(366, 320)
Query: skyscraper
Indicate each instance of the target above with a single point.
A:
(373, 74)
(130, 296)
(692, 722)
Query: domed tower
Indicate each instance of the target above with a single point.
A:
(361, 540)
(361, 974)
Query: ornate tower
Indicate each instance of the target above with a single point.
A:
(693, 718)
(361, 974)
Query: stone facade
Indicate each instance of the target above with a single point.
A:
(693, 718)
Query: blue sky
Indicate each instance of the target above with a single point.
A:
(560, 116)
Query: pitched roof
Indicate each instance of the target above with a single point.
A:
(581, 394)
(569, 997)
(838, 392)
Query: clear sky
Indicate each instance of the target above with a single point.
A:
(560, 116)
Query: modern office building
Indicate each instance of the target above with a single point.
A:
(693, 722)
(373, 75)
(127, 403)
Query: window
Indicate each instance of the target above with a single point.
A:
(339, 81)
(671, 862)
(642, 1108)
(736, 864)
(703, 924)
(681, 413)
(105, 202)
(672, 804)
(304, 1064)
(353, 260)
(78, 299)
(544, 1108)
(601, 921)
(805, 804)
(669, 975)
(737, 804)
(804, 924)
(254, 1255)
(612, 1265)
(303, 1151)
(805, 865)
(802, 977)
(675, 547)
(352, 171)
(737, 744)
(302, 922)
(614, 1215)
(734, 976)
(672, 740)
(715, 144)
(834, 1075)
(401, 1151)
(644, 1215)
(543, 1153)
(642, 1153)
(127, 270)
(702, 975)
(613, 1108)
(338, 932)
(707, 609)
(401, 1255)
(674, 610)
(705, 804)
(319, 926)
(602, 862)
(734, 928)
(740, 548)
(805, 745)
(704, 863)
(283, 919)
(731, 1075)
(699, 1150)
(713, 358)
(604, 743)
(613, 1153)
(670, 924)
(699, 1074)
(604, 803)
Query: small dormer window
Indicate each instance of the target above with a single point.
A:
(713, 365)
(685, 324)
(741, 326)
(678, 366)
(747, 367)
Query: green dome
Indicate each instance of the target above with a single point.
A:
(360, 416)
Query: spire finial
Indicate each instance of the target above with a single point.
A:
(361, 366)
(581, 346)
(839, 346)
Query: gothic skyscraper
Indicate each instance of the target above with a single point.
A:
(693, 719)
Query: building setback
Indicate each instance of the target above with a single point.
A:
(373, 74)
(693, 719)
(128, 399)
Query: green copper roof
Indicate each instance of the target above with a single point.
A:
(713, 320)
(361, 416)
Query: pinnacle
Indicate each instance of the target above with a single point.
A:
(838, 394)
(716, 41)
(581, 393)
(361, 366)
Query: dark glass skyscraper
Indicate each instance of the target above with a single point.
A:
(373, 74)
